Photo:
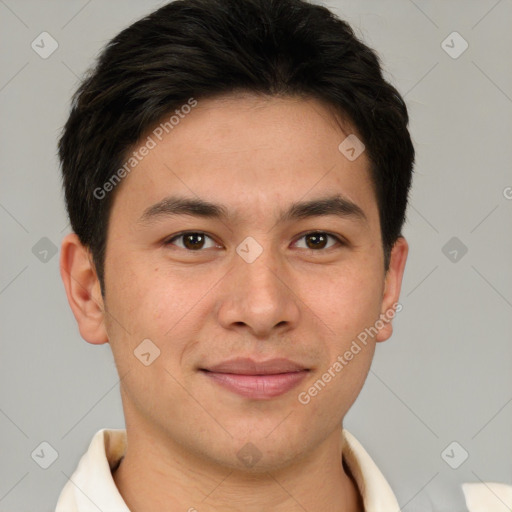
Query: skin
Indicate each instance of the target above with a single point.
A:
(255, 155)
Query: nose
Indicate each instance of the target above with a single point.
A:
(258, 296)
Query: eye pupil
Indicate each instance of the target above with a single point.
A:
(318, 240)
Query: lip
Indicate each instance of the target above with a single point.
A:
(248, 366)
(258, 380)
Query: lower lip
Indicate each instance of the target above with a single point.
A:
(259, 387)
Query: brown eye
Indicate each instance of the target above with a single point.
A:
(191, 240)
(318, 240)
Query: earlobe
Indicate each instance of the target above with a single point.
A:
(392, 287)
(83, 289)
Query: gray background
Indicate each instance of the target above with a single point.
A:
(444, 376)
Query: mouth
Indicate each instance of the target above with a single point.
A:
(257, 380)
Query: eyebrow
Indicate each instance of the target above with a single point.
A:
(337, 205)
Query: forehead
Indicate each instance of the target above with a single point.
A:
(249, 153)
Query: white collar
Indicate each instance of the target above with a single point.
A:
(92, 487)
(373, 487)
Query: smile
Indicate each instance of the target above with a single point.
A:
(259, 380)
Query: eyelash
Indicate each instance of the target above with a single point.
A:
(340, 241)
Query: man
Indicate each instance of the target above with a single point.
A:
(236, 174)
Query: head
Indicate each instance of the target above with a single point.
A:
(217, 118)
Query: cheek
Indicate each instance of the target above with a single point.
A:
(135, 287)
(336, 385)
(348, 302)
(163, 306)
(144, 306)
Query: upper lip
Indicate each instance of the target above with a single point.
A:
(247, 366)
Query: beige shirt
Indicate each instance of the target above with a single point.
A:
(92, 487)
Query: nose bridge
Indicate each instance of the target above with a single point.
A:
(257, 295)
(258, 265)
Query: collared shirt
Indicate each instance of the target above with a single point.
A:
(92, 487)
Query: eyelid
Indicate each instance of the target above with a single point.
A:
(341, 241)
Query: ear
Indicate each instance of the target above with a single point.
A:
(392, 286)
(83, 289)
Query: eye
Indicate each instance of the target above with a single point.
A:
(316, 240)
(195, 240)
(192, 240)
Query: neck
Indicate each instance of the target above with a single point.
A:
(157, 475)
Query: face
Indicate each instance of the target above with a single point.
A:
(252, 283)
